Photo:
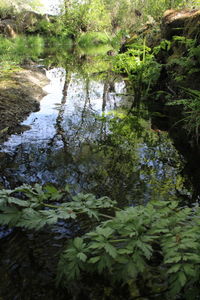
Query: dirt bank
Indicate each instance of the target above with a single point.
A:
(20, 94)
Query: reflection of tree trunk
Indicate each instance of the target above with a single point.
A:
(59, 129)
(112, 87)
(87, 101)
(87, 90)
(106, 90)
(103, 130)
(65, 89)
(109, 87)
(59, 120)
(105, 95)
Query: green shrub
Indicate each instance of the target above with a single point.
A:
(191, 111)
(6, 10)
(156, 246)
(186, 58)
(139, 64)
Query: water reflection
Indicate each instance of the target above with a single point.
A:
(67, 119)
(82, 136)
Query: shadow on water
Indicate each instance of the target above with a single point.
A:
(167, 118)
(83, 136)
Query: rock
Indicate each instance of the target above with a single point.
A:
(8, 28)
(180, 22)
(29, 20)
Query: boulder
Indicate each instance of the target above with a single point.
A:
(28, 20)
(8, 28)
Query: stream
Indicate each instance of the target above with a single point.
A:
(59, 133)
(83, 136)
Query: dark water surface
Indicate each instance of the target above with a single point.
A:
(84, 136)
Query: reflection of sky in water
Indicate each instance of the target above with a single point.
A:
(48, 150)
(43, 123)
(64, 145)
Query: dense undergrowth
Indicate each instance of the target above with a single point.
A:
(182, 67)
(154, 249)
(75, 18)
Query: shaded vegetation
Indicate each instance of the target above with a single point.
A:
(152, 246)
(158, 241)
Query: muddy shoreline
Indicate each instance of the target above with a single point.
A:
(20, 94)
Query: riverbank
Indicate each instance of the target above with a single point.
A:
(20, 94)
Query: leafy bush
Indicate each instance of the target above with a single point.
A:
(191, 111)
(85, 16)
(157, 244)
(186, 58)
(35, 212)
(155, 247)
(6, 9)
(141, 67)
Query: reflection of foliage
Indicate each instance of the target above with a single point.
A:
(161, 167)
(57, 51)
(84, 61)
(16, 51)
(131, 160)
(93, 38)
(96, 66)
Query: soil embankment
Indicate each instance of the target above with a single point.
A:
(19, 95)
